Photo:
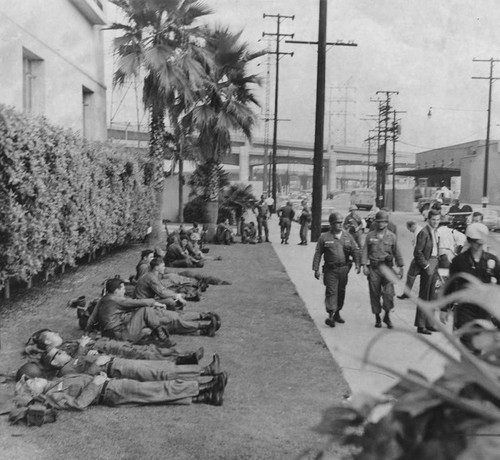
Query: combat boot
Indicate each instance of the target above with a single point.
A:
(162, 335)
(330, 321)
(387, 320)
(378, 322)
(338, 319)
(209, 329)
(214, 367)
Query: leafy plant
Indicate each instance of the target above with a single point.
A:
(62, 198)
(455, 417)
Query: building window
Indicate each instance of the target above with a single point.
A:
(33, 101)
(87, 101)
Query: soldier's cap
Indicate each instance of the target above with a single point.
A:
(353, 207)
(335, 217)
(30, 370)
(48, 356)
(382, 216)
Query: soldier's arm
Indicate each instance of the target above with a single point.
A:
(364, 251)
(397, 253)
(126, 303)
(93, 317)
(317, 254)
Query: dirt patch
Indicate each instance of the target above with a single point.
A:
(281, 376)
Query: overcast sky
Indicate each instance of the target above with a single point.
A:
(422, 48)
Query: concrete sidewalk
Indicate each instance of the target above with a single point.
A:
(398, 348)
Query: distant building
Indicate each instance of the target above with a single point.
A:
(52, 61)
(438, 166)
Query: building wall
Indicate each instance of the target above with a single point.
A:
(473, 172)
(446, 157)
(66, 50)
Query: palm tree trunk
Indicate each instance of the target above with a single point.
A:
(213, 200)
(181, 189)
(156, 154)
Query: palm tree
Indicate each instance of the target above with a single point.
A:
(223, 105)
(236, 199)
(162, 42)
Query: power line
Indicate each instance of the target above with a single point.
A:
(279, 19)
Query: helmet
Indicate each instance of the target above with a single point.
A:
(382, 216)
(30, 370)
(353, 207)
(336, 217)
(476, 231)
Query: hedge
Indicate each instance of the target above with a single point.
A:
(63, 198)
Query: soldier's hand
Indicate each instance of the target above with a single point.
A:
(401, 272)
(92, 353)
(102, 360)
(85, 339)
(100, 379)
(316, 274)
(443, 316)
(366, 270)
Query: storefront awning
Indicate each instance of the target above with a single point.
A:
(427, 172)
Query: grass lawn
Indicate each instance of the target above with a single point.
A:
(280, 374)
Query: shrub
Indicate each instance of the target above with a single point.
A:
(196, 211)
(62, 197)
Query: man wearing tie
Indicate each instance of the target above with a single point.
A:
(426, 257)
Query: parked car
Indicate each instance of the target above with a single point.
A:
(326, 209)
(363, 198)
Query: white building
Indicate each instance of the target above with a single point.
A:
(52, 62)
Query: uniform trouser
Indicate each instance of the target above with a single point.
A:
(285, 225)
(125, 391)
(303, 232)
(462, 315)
(427, 291)
(335, 281)
(133, 330)
(262, 223)
(181, 323)
(150, 371)
(130, 351)
(412, 274)
(379, 286)
(181, 263)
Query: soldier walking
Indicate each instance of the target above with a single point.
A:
(339, 250)
(381, 248)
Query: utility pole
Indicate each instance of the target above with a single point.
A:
(279, 19)
(484, 200)
(320, 118)
(381, 164)
(369, 139)
(396, 131)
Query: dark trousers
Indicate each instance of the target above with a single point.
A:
(285, 225)
(262, 224)
(380, 287)
(304, 227)
(413, 272)
(335, 281)
(427, 291)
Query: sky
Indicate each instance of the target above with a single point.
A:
(423, 49)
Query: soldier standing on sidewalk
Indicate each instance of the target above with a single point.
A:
(339, 250)
(381, 248)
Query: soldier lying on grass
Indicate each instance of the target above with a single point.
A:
(79, 391)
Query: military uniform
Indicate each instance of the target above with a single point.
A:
(339, 251)
(262, 215)
(354, 225)
(380, 248)
(286, 214)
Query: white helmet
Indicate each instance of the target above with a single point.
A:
(476, 231)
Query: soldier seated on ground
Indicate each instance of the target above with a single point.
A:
(249, 234)
(143, 266)
(61, 363)
(177, 254)
(223, 233)
(149, 286)
(79, 391)
(127, 319)
(45, 339)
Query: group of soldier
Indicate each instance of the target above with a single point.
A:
(435, 246)
(131, 358)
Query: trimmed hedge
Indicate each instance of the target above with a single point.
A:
(63, 198)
